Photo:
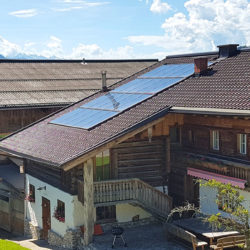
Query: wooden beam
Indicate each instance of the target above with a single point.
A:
(89, 208)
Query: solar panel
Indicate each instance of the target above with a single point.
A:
(84, 118)
(125, 96)
(171, 70)
(116, 101)
(149, 86)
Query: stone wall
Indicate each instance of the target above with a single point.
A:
(73, 239)
(32, 231)
(129, 224)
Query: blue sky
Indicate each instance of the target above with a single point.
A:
(120, 28)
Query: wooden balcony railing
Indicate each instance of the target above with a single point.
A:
(131, 191)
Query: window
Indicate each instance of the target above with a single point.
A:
(215, 140)
(191, 137)
(175, 134)
(242, 143)
(102, 171)
(59, 213)
(31, 196)
(107, 213)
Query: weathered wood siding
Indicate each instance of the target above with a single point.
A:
(228, 128)
(44, 172)
(141, 159)
(11, 210)
(196, 152)
(12, 120)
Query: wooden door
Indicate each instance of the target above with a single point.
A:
(46, 217)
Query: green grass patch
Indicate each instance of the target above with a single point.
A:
(8, 245)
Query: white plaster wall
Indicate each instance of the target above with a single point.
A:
(125, 212)
(208, 198)
(73, 208)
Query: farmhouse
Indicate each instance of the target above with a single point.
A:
(32, 89)
(133, 150)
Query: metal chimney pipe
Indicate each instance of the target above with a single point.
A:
(104, 81)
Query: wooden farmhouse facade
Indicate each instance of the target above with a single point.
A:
(32, 89)
(134, 162)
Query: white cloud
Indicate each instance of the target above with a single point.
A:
(53, 48)
(160, 7)
(68, 8)
(24, 13)
(95, 52)
(7, 48)
(73, 1)
(206, 23)
(69, 5)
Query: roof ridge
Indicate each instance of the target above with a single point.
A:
(5, 60)
(59, 79)
(192, 54)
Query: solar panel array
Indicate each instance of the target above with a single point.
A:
(125, 96)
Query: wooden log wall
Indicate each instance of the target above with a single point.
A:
(11, 209)
(12, 120)
(141, 159)
(161, 128)
(44, 172)
(226, 161)
(70, 179)
(201, 127)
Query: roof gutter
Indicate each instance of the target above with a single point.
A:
(210, 111)
(156, 116)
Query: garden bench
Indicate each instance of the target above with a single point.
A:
(230, 242)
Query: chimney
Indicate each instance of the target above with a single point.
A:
(227, 50)
(104, 82)
(200, 65)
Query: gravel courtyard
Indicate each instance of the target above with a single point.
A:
(147, 237)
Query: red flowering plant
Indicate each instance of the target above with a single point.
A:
(59, 215)
(30, 198)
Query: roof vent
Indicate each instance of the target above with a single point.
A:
(227, 50)
(104, 81)
(200, 65)
(83, 61)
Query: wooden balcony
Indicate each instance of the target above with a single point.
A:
(134, 190)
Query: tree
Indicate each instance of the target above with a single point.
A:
(230, 201)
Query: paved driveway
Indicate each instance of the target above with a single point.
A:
(147, 237)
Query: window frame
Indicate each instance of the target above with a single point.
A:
(32, 193)
(242, 143)
(59, 213)
(216, 140)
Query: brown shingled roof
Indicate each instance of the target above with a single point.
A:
(59, 82)
(226, 85)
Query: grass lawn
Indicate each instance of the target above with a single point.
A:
(8, 245)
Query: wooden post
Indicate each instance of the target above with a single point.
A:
(168, 155)
(89, 208)
(10, 212)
